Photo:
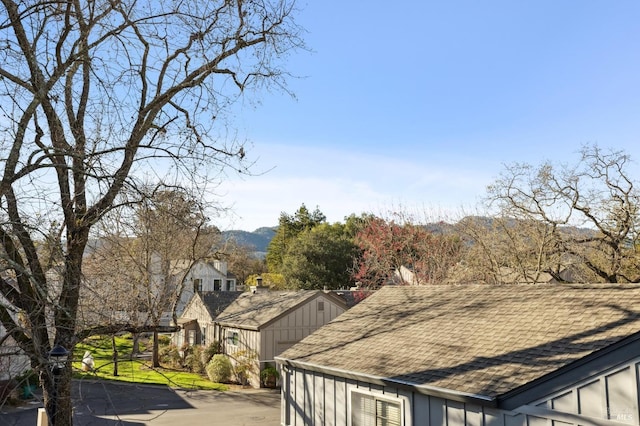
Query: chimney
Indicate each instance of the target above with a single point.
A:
(259, 288)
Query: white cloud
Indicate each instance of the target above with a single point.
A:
(341, 183)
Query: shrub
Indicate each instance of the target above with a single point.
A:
(245, 365)
(164, 340)
(219, 369)
(211, 350)
(193, 360)
(170, 355)
(269, 376)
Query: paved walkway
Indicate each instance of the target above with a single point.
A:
(106, 403)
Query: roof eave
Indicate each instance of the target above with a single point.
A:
(444, 393)
(238, 326)
(607, 358)
(266, 323)
(336, 299)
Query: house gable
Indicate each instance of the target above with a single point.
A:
(588, 385)
(255, 310)
(611, 395)
(202, 277)
(265, 324)
(207, 276)
(199, 317)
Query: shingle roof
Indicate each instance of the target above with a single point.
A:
(218, 301)
(351, 297)
(475, 339)
(253, 310)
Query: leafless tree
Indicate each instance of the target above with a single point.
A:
(242, 261)
(585, 215)
(95, 92)
(137, 267)
(505, 250)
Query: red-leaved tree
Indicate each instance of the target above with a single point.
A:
(403, 253)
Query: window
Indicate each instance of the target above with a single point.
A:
(320, 305)
(197, 285)
(231, 285)
(232, 338)
(373, 410)
(203, 338)
(216, 285)
(192, 337)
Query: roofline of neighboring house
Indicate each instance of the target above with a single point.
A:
(338, 299)
(450, 394)
(206, 306)
(192, 300)
(595, 363)
(605, 359)
(317, 293)
(238, 326)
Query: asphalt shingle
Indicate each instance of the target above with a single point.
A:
(253, 310)
(218, 301)
(478, 339)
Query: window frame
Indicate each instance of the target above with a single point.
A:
(233, 338)
(391, 399)
(231, 285)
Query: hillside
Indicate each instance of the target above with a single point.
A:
(258, 240)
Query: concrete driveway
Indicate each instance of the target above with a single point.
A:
(104, 403)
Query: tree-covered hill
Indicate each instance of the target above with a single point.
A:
(258, 240)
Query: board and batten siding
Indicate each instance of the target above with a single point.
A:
(248, 345)
(296, 325)
(612, 395)
(198, 312)
(607, 399)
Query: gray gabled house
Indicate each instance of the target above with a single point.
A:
(264, 324)
(543, 354)
(197, 321)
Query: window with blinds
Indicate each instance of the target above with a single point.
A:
(370, 410)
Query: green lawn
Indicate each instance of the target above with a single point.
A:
(136, 371)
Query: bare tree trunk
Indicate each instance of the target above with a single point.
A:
(77, 122)
(135, 350)
(155, 357)
(57, 396)
(115, 356)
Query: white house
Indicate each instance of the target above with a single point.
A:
(13, 360)
(205, 276)
(457, 355)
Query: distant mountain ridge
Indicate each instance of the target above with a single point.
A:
(257, 240)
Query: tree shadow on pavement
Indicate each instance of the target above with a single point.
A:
(100, 403)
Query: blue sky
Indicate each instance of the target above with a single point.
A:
(418, 104)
